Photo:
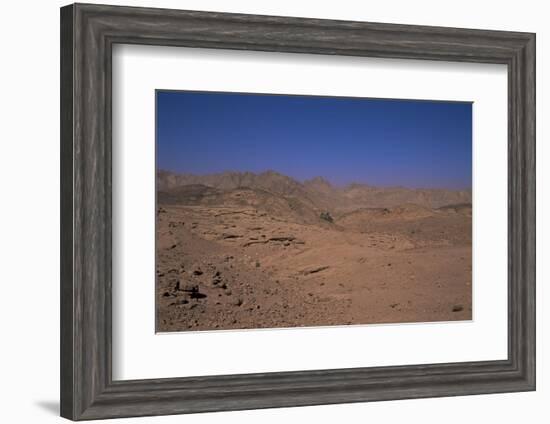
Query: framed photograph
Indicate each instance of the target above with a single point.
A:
(263, 211)
(265, 219)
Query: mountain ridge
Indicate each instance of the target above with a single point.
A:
(318, 191)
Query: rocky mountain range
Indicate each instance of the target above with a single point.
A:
(316, 193)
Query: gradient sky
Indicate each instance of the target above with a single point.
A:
(417, 144)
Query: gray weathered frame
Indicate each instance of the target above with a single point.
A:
(88, 33)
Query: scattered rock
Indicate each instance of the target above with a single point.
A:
(250, 243)
(458, 308)
(189, 287)
(217, 278)
(326, 216)
(180, 302)
(173, 224)
(197, 272)
(231, 236)
(315, 270)
(197, 295)
(282, 238)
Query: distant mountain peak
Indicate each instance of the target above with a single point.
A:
(319, 180)
(271, 172)
(319, 184)
(317, 191)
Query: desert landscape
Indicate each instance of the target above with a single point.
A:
(242, 250)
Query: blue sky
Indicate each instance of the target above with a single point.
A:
(417, 144)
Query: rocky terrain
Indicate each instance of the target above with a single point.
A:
(244, 250)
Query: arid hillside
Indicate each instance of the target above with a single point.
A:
(244, 250)
(317, 191)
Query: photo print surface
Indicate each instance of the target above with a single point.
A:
(280, 211)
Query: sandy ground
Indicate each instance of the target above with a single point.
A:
(240, 268)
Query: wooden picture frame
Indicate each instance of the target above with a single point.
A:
(88, 33)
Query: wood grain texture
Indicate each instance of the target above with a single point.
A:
(66, 212)
(88, 33)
